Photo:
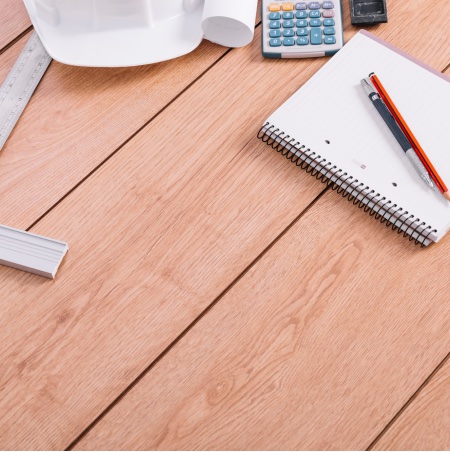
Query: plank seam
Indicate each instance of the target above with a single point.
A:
(121, 146)
(372, 445)
(388, 426)
(202, 314)
(226, 290)
(130, 138)
(16, 39)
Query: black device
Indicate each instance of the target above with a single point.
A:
(368, 12)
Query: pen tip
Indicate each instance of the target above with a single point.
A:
(446, 195)
(428, 181)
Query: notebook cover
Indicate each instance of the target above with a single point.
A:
(331, 115)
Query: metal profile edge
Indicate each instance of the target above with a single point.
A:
(31, 252)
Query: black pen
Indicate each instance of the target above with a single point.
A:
(396, 131)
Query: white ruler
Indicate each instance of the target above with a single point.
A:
(21, 249)
(20, 84)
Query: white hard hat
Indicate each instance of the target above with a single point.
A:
(117, 32)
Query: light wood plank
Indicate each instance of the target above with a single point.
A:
(425, 424)
(317, 347)
(14, 20)
(76, 119)
(156, 234)
(8, 58)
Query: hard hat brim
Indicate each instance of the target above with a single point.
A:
(120, 47)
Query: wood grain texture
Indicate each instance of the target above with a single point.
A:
(425, 424)
(317, 347)
(14, 20)
(76, 119)
(9, 57)
(155, 235)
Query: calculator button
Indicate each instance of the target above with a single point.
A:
(314, 14)
(329, 40)
(300, 5)
(328, 13)
(303, 41)
(327, 5)
(275, 33)
(329, 31)
(288, 33)
(275, 24)
(302, 32)
(315, 23)
(316, 36)
(302, 23)
(288, 6)
(314, 5)
(288, 15)
(274, 16)
(275, 42)
(328, 22)
(301, 14)
(289, 41)
(288, 24)
(274, 7)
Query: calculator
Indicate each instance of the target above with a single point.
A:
(301, 29)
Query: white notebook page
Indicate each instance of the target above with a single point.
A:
(332, 106)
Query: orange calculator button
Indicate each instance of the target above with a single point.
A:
(274, 7)
(288, 6)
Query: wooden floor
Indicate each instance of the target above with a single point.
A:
(214, 296)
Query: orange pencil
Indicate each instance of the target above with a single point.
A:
(411, 138)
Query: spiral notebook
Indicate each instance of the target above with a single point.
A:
(330, 129)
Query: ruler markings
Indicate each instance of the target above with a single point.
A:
(20, 84)
(20, 249)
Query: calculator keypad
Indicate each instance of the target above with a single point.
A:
(301, 24)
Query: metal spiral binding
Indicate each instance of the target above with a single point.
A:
(360, 194)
